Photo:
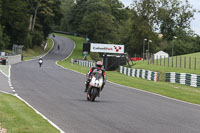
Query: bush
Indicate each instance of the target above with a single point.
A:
(28, 41)
(37, 38)
(95, 56)
(4, 39)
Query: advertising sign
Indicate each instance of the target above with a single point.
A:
(106, 48)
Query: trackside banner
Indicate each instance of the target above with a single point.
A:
(106, 48)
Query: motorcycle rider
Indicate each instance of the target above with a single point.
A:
(40, 61)
(98, 67)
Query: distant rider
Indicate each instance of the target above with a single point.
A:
(40, 61)
(98, 67)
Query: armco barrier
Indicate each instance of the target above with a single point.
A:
(140, 73)
(183, 78)
(83, 63)
(12, 59)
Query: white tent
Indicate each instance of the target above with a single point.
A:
(161, 54)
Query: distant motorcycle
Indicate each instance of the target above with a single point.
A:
(40, 62)
(95, 86)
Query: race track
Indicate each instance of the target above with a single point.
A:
(58, 94)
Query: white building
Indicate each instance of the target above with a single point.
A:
(161, 54)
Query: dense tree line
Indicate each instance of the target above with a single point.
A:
(108, 21)
(27, 22)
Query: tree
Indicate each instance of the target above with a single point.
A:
(15, 19)
(66, 7)
(85, 10)
(41, 7)
(174, 15)
(85, 7)
(134, 31)
(1, 29)
(49, 14)
(147, 10)
(99, 27)
(115, 7)
(4, 39)
(0, 9)
(170, 17)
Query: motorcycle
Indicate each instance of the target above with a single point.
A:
(40, 62)
(95, 86)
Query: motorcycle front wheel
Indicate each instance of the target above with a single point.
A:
(94, 93)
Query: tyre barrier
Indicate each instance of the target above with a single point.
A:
(83, 63)
(183, 78)
(140, 73)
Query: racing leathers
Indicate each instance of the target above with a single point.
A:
(89, 77)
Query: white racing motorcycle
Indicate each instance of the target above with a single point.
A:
(40, 62)
(95, 85)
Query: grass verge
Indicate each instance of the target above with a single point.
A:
(4, 69)
(16, 117)
(189, 63)
(177, 91)
(29, 54)
(37, 51)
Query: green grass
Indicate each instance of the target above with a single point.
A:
(77, 54)
(177, 67)
(4, 69)
(177, 91)
(16, 117)
(29, 54)
(36, 51)
(160, 66)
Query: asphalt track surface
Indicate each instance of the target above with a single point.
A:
(58, 94)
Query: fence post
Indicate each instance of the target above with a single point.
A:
(176, 61)
(157, 60)
(153, 59)
(195, 63)
(180, 61)
(184, 62)
(160, 60)
(168, 61)
(164, 61)
(190, 62)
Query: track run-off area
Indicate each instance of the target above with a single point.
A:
(57, 93)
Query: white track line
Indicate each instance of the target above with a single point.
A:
(4, 73)
(6, 92)
(131, 87)
(9, 83)
(44, 117)
(53, 124)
